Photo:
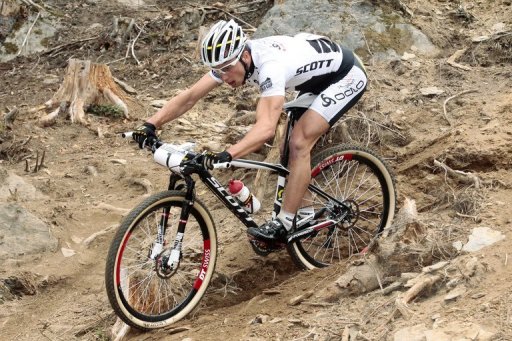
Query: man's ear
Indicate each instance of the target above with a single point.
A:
(246, 56)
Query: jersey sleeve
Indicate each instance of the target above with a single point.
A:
(272, 80)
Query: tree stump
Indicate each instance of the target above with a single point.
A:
(85, 83)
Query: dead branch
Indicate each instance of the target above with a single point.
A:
(50, 119)
(119, 330)
(87, 242)
(346, 334)
(452, 60)
(33, 4)
(39, 164)
(133, 44)
(344, 132)
(449, 99)
(145, 183)
(467, 178)
(121, 211)
(59, 47)
(125, 86)
(403, 301)
(10, 117)
(28, 33)
(252, 28)
(380, 125)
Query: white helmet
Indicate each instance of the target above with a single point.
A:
(224, 41)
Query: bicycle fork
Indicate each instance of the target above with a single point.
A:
(174, 257)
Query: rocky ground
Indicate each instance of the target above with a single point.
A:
(443, 123)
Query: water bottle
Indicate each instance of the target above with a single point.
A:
(248, 201)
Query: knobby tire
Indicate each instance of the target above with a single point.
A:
(357, 176)
(142, 296)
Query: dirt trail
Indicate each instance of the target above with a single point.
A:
(249, 299)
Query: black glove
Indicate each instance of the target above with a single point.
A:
(209, 158)
(144, 134)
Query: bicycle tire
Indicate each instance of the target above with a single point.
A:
(137, 288)
(357, 176)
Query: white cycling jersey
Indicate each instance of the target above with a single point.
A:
(306, 63)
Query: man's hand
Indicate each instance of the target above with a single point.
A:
(210, 158)
(143, 134)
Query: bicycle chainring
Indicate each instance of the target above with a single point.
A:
(263, 248)
(351, 219)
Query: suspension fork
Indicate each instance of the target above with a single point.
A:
(175, 255)
(158, 245)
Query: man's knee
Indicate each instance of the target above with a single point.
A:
(299, 146)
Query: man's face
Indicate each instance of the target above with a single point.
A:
(232, 72)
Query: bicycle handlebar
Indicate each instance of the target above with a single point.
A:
(171, 155)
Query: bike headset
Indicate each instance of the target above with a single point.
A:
(225, 41)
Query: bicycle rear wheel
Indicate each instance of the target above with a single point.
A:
(361, 180)
(143, 291)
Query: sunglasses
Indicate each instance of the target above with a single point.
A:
(228, 67)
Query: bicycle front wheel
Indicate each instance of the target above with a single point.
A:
(144, 291)
(359, 179)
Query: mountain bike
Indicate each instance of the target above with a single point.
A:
(163, 255)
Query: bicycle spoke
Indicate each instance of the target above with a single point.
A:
(355, 181)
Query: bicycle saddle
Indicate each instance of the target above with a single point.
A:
(304, 101)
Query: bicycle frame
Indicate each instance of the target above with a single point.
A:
(230, 202)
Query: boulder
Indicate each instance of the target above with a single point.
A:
(358, 25)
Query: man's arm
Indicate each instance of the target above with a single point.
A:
(182, 102)
(267, 117)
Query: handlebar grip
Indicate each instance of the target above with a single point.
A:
(222, 165)
(127, 134)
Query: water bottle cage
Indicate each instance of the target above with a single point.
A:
(248, 200)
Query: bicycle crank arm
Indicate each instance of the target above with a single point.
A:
(304, 233)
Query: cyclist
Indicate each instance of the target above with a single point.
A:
(305, 63)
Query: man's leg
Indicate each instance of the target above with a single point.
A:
(304, 136)
(325, 111)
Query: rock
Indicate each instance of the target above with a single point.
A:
(482, 237)
(453, 331)
(431, 91)
(459, 331)
(158, 103)
(17, 226)
(119, 161)
(67, 252)
(455, 293)
(458, 245)
(390, 35)
(23, 284)
(414, 333)
(260, 319)
(14, 185)
(408, 56)
(499, 28)
(480, 39)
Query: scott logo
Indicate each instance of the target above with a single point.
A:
(313, 66)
